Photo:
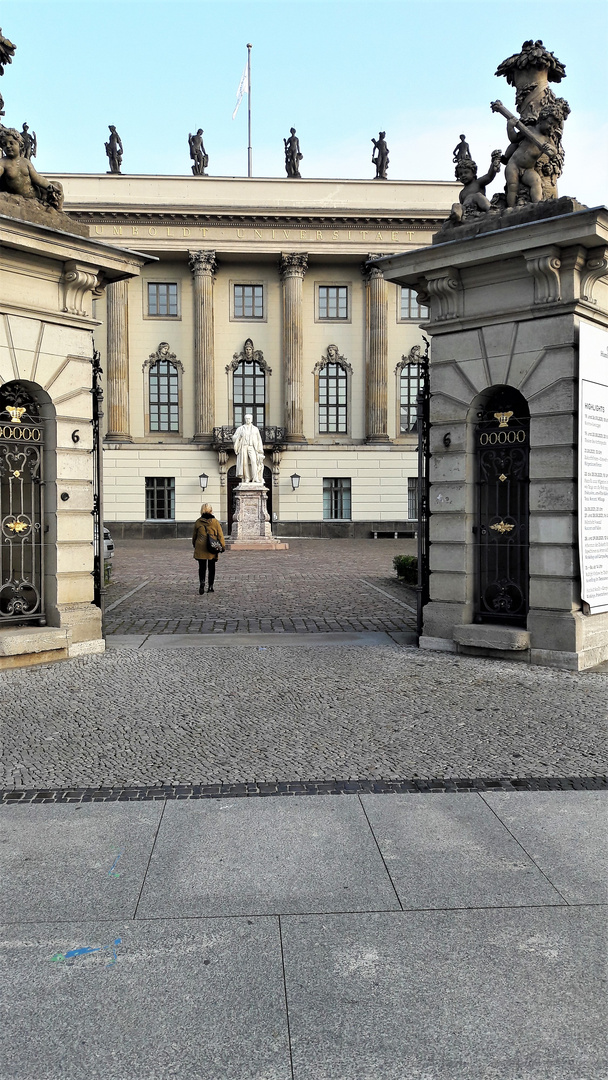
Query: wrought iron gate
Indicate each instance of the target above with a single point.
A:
(97, 451)
(422, 419)
(21, 507)
(502, 542)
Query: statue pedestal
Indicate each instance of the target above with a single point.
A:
(251, 522)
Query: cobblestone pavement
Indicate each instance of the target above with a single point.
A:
(250, 713)
(315, 586)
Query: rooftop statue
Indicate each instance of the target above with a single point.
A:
(534, 159)
(198, 153)
(30, 143)
(114, 150)
(461, 150)
(293, 156)
(7, 51)
(19, 177)
(380, 156)
(472, 198)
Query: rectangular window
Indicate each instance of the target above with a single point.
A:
(410, 385)
(160, 498)
(412, 498)
(248, 301)
(162, 299)
(336, 498)
(333, 301)
(410, 308)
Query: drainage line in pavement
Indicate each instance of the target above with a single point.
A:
(393, 598)
(127, 595)
(13, 797)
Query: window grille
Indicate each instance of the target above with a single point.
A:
(333, 301)
(164, 396)
(336, 498)
(249, 301)
(412, 498)
(160, 498)
(410, 307)
(249, 392)
(410, 385)
(162, 299)
(333, 417)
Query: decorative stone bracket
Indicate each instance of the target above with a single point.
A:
(596, 267)
(446, 287)
(544, 266)
(77, 281)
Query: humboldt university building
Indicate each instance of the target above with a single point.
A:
(259, 297)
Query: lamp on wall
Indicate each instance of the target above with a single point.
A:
(203, 480)
(295, 481)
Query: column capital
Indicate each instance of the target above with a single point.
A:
(202, 263)
(294, 264)
(370, 271)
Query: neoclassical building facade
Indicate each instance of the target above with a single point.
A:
(259, 297)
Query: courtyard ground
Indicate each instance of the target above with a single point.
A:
(411, 912)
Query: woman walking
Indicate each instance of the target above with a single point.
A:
(208, 541)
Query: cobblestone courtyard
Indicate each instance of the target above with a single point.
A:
(315, 586)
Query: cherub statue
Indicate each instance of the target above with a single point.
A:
(114, 150)
(529, 144)
(380, 156)
(472, 198)
(293, 156)
(19, 177)
(198, 153)
(461, 150)
(7, 51)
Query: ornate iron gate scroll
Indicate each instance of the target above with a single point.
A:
(502, 451)
(21, 507)
(424, 455)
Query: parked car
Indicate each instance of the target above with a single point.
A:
(108, 545)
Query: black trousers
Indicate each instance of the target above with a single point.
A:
(202, 567)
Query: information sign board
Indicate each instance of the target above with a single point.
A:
(593, 466)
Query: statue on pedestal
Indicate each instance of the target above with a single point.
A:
(30, 143)
(293, 156)
(198, 153)
(249, 450)
(380, 156)
(114, 150)
(19, 177)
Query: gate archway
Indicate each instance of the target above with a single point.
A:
(502, 451)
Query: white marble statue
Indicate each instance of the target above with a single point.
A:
(249, 450)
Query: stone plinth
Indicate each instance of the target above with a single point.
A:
(251, 529)
(506, 310)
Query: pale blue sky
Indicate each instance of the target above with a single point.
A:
(337, 70)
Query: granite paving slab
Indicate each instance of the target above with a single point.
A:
(452, 851)
(154, 1001)
(467, 995)
(566, 833)
(74, 862)
(265, 856)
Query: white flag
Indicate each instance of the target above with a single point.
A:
(243, 89)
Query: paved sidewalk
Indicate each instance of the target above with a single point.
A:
(317, 586)
(381, 937)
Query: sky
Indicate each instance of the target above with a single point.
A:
(336, 70)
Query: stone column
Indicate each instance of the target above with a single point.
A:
(203, 265)
(118, 363)
(376, 355)
(292, 269)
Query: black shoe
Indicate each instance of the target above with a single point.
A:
(211, 589)
(201, 590)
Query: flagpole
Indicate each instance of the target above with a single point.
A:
(249, 151)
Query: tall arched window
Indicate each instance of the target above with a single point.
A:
(332, 393)
(249, 371)
(163, 390)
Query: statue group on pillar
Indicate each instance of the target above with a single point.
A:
(534, 158)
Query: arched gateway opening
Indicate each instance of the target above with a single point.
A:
(502, 450)
(26, 472)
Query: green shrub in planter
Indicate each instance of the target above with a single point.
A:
(407, 568)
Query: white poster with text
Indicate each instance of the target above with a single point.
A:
(593, 466)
